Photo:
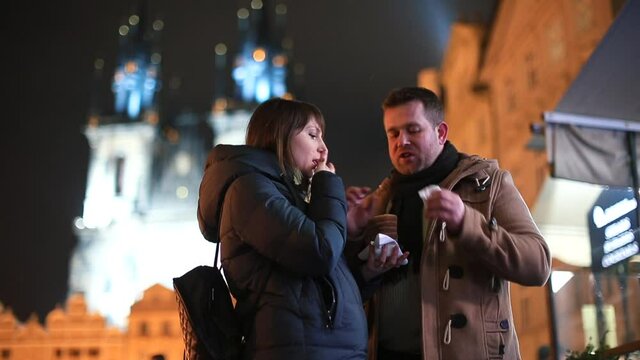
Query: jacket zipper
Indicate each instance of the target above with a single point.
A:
(328, 310)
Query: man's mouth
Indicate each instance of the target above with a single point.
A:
(405, 155)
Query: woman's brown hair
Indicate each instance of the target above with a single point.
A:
(275, 122)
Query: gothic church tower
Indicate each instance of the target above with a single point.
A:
(139, 226)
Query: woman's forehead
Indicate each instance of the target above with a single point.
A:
(313, 124)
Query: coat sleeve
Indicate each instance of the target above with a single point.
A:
(306, 244)
(509, 243)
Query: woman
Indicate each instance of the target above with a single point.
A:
(280, 211)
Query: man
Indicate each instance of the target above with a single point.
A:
(465, 242)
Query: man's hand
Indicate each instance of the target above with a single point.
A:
(446, 206)
(376, 267)
(359, 209)
(364, 204)
(355, 195)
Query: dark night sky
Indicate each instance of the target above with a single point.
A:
(354, 52)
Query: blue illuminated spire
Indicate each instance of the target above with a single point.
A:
(260, 68)
(136, 77)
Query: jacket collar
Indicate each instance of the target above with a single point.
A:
(474, 168)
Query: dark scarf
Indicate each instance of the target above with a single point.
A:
(407, 205)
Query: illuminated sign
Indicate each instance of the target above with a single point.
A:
(613, 228)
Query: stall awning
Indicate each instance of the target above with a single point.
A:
(587, 134)
(561, 213)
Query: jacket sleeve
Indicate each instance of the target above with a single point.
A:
(509, 243)
(306, 244)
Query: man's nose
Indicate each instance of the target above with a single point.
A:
(403, 139)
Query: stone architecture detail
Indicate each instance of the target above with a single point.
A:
(74, 332)
(496, 84)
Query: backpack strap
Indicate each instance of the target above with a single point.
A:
(218, 234)
(207, 230)
(263, 286)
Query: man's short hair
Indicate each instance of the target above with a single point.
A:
(433, 108)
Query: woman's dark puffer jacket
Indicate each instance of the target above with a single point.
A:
(310, 307)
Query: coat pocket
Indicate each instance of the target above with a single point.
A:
(497, 333)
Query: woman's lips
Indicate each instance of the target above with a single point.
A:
(317, 161)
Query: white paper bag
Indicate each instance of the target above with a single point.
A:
(378, 243)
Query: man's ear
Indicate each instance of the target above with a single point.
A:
(443, 131)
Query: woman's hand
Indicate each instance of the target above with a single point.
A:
(324, 165)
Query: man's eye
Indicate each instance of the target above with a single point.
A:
(414, 129)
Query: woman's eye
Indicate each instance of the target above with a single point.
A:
(313, 136)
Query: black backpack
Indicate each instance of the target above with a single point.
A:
(211, 327)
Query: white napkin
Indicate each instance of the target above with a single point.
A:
(427, 191)
(378, 243)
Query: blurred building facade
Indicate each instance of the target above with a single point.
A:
(138, 226)
(497, 82)
(74, 332)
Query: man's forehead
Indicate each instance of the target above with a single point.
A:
(400, 122)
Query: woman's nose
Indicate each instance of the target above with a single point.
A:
(323, 147)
